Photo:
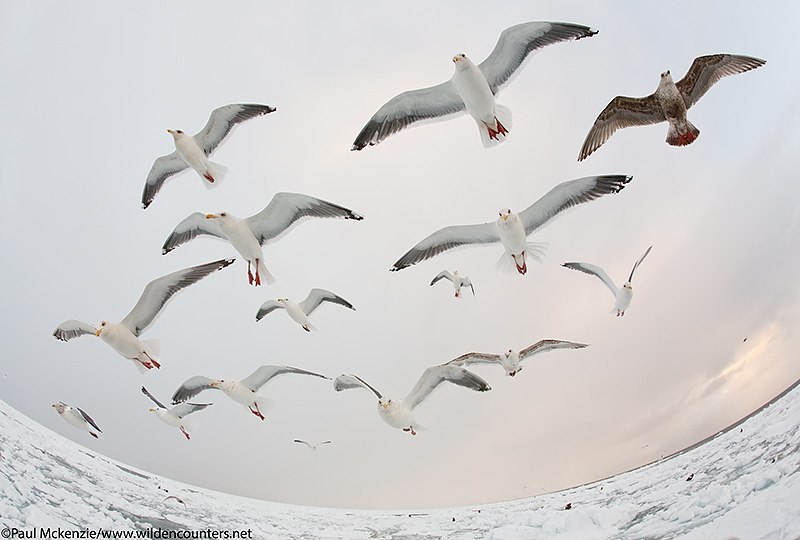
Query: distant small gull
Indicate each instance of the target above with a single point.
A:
(511, 360)
(76, 417)
(472, 89)
(243, 391)
(399, 413)
(249, 235)
(123, 336)
(194, 151)
(669, 103)
(512, 229)
(299, 312)
(622, 295)
(313, 447)
(176, 416)
(457, 280)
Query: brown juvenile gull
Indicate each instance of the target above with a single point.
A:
(398, 413)
(123, 336)
(472, 89)
(512, 229)
(248, 235)
(194, 151)
(669, 103)
(511, 360)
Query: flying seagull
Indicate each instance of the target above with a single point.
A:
(248, 235)
(669, 103)
(511, 360)
(76, 417)
(243, 391)
(399, 413)
(458, 281)
(194, 151)
(123, 336)
(176, 416)
(622, 295)
(472, 89)
(512, 229)
(300, 311)
(312, 446)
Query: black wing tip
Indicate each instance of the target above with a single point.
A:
(352, 215)
(226, 262)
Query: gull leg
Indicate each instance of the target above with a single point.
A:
(256, 411)
(184, 432)
(249, 273)
(258, 277)
(208, 177)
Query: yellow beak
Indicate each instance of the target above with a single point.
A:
(98, 332)
(210, 216)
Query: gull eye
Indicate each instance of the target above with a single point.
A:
(181, 132)
(223, 214)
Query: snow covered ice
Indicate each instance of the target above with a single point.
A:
(743, 483)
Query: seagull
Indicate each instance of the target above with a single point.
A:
(472, 89)
(669, 103)
(511, 360)
(624, 294)
(194, 151)
(299, 312)
(312, 446)
(77, 418)
(123, 336)
(243, 391)
(512, 229)
(176, 416)
(399, 413)
(458, 281)
(249, 235)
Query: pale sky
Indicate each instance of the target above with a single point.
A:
(90, 90)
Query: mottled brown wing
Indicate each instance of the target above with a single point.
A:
(707, 70)
(622, 112)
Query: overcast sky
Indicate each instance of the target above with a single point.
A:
(89, 90)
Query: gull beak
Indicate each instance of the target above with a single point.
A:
(210, 216)
(213, 383)
(151, 410)
(98, 332)
(170, 131)
(505, 218)
(53, 405)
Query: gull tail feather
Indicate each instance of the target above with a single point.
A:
(491, 137)
(676, 139)
(191, 425)
(264, 274)
(215, 174)
(533, 251)
(153, 348)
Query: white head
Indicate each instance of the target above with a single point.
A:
(60, 407)
(176, 133)
(462, 62)
(102, 325)
(226, 385)
(627, 285)
(222, 216)
(505, 213)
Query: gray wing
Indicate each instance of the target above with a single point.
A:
(448, 238)
(89, 419)
(191, 387)
(268, 307)
(518, 42)
(568, 194)
(153, 399)
(287, 209)
(474, 358)
(163, 168)
(348, 382)
(317, 296)
(435, 375)
(223, 120)
(707, 70)
(547, 345)
(193, 226)
(444, 274)
(160, 291)
(596, 271)
(264, 374)
(73, 328)
(620, 113)
(426, 104)
(635, 266)
(183, 409)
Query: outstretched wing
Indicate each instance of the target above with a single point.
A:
(264, 374)
(444, 274)
(89, 419)
(73, 328)
(161, 171)
(191, 387)
(268, 307)
(288, 209)
(547, 345)
(596, 271)
(317, 296)
(153, 399)
(193, 226)
(160, 291)
(707, 70)
(448, 238)
(414, 106)
(518, 42)
(184, 409)
(635, 266)
(223, 120)
(348, 382)
(620, 113)
(474, 358)
(568, 194)
(435, 375)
